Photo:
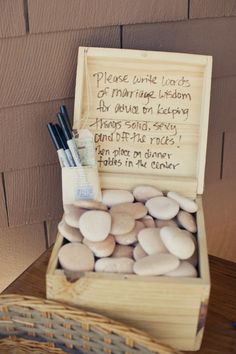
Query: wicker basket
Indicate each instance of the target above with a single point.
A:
(33, 325)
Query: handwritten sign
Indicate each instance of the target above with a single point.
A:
(144, 119)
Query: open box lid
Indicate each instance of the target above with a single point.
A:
(149, 114)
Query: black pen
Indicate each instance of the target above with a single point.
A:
(64, 112)
(64, 145)
(69, 138)
(58, 144)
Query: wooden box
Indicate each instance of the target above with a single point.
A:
(149, 115)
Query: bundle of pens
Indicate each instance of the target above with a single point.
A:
(77, 157)
(63, 139)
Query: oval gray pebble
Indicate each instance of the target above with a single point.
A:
(112, 197)
(187, 221)
(114, 265)
(72, 234)
(162, 208)
(103, 248)
(178, 242)
(151, 241)
(185, 203)
(76, 257)
(143, 193)
(137, 210)
(121, 223)
(185, 269)
(156, 264)
(95, 225)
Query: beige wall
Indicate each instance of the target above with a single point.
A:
(39, 40)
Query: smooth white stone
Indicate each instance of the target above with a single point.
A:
(72, 218)
(184, 203)
(162, 223)
(123, 251)
(132, 236)
(114, 265)
(162, 208)
(112, 197)
(150, 241)
(70, 233)
(137, 210)
(76, 257)
(178, 242)
(187, 221)
(138, 252)
(143, 193)
(103, 248)
(121, 223)
(185, 269)
(95, 225)
(156, 264)
(148, 221)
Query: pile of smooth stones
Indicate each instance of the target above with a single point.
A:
(143, 232)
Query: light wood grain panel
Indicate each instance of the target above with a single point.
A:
(125, 124)
(12, 22)
(60, 15)
(19, 247)
(3, 211)
(34, 194)
(212, 8)
(212, 37)
(38, 68)
(24, 137)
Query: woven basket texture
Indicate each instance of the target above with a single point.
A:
(33, 325)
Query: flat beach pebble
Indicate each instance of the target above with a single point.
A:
(103, 248)
(178, 242)
(137, 210)
(76, 257)
(95, 225)
(132, 236)
(123, 251)
(185, 269)
(112, 197)
(121, 223)
(70, 233)
(156, 264)
(184, 203)
(115, 265)
(72, 218)
(162, 208)
(187, 221)
(90, 204)
(143, 193)
(150, 241)
(138, 252)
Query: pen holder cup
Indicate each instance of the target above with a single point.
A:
(80, 183)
